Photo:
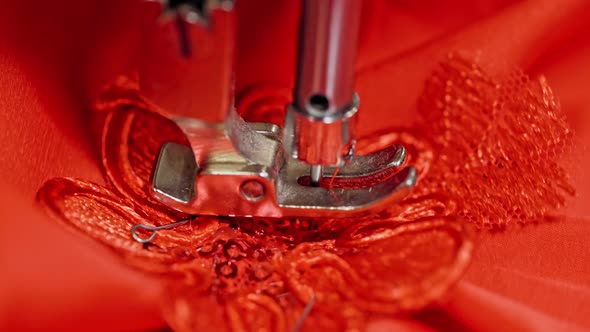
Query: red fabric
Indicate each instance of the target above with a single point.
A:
(56, 56)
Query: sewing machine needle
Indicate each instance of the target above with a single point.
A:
(316, 175)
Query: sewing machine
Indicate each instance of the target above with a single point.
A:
(238, 168)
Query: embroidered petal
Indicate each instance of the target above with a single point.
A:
(106, 217)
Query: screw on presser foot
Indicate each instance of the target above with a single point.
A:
(240, 168)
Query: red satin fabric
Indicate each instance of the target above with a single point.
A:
(55, 59)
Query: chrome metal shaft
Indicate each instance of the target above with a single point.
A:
(328, 42)
(320, 124)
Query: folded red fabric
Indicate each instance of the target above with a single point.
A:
(56, 59)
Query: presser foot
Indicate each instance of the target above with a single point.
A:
(241, 169)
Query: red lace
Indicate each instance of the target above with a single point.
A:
(487, 152)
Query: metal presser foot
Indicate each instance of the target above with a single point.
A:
(236, 168)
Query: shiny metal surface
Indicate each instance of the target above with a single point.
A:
(392, 157)
(178, 185)
(320, 126)
(327, 53)
(316, 142)
(194, 11)
(222, 172)
(187, 68)
(316, 173)
(236, 168)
